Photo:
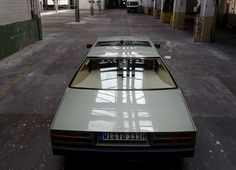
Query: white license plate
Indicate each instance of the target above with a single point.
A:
(123, 137)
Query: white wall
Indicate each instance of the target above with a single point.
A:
(150, 3)
(146, 3)
(14, 11)
(60, 2)
(84, 4)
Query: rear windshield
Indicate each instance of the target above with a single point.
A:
(123, 43)
(132, 3)
(123, 74)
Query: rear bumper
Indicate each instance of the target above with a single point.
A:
(124, 151)
(134, 9)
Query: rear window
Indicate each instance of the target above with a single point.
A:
(123, 74)
(123, 43)
(132, 3)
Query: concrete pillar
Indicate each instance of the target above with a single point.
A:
(166, 11)
(69, 7)
(162, 7)
(56, 5)
(99, 4)
(77, 12)
(40, 6)
(150, 7)
(145, 4)
(205, 22)
(92, 7)
(179, 11)
(222, 13)
(157, 8)
(141, 6)
(36, 16)
(45, 4)
(35, 9)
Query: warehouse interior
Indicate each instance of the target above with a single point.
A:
(206, 20)
(43, 42)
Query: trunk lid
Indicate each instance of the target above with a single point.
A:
(123, 111)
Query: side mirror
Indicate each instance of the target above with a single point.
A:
(157, 45)
(89, 45)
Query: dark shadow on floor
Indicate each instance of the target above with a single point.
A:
(226, 36)
(77, 163)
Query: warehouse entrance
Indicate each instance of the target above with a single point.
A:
(225, 30)
(115, 4)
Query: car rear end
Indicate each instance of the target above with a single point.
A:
(132, 6)
(99, 117)
(176, 144)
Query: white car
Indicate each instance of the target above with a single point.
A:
(132, 5)
(123, 100)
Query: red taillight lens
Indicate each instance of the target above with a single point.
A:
(173, 139)
(72, 137)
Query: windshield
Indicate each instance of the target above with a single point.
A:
(123, 43)
(123, 74)
(132, 3)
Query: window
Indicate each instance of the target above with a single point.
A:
(123, 74)
(123, 43)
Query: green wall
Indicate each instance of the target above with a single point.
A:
(18, 35)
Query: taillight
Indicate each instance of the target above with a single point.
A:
(72, 137)
(173, 139)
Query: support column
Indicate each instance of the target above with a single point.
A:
(141, 6)
(205, 22)
(56, 5)
(69, 4)
(150, 7)
(162, 7)
(178, 18)
(99, 4)
(166, 10)
(222, 13)
(45, 4)
(157, 8)
(38, 19)
(145, 4)
(77, 12)
(92, 7)
(36, 16)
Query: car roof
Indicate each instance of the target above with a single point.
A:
(119, 38)
(123, 51)
(132, 0)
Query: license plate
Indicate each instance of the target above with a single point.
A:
(122, 137)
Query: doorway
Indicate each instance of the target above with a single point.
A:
(115, 4)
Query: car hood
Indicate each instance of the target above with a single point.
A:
(123, 111)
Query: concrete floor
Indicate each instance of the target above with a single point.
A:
(32, 82)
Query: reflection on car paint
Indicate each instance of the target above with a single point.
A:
(127, 115)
